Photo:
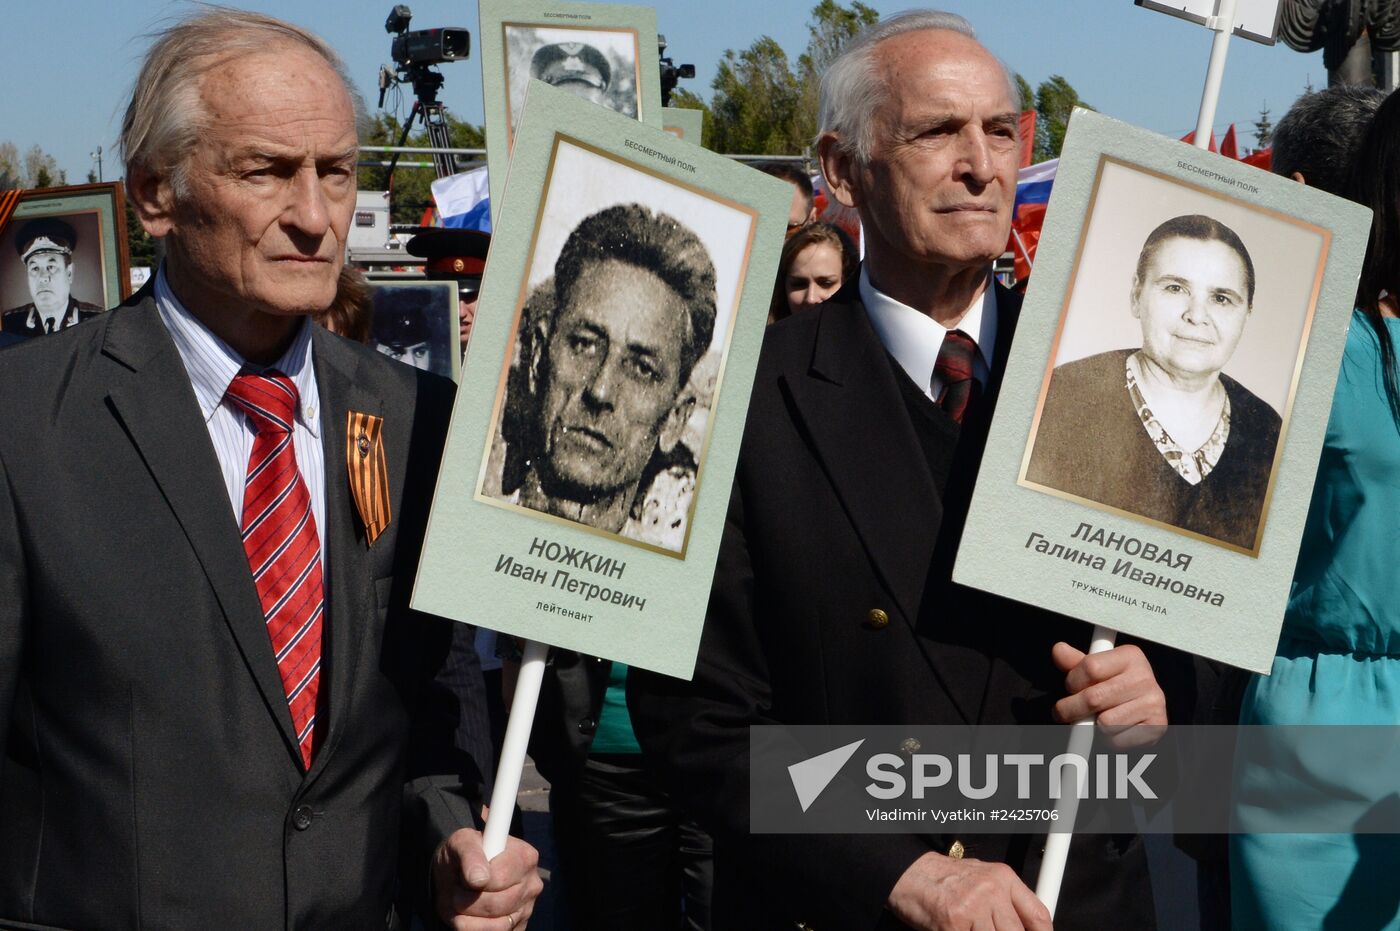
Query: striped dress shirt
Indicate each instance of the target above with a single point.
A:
(212, 364)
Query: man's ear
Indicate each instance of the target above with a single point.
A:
(842, 171)
(673, 427)
(153, 199)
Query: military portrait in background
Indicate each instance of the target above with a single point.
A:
(598, 65)
(62, 260)
(619, 339)
(1174, 367)
(415, 322)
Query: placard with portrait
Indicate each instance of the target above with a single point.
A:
(606, 54)
(63, 258)
(616, 337)
(415, 322)
(1157, 430)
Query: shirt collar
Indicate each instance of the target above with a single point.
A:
(212, 363)
(914, 338)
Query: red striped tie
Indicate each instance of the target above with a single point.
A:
(284, 552)
(954, 368)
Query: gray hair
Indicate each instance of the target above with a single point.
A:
(1319, 135)
(165, 117)
(852, 89)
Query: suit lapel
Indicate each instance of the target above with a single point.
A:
(851, 406)
(152, 397)
(350, 596)
(853, 409)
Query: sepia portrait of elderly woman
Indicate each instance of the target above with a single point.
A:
(1159, 430)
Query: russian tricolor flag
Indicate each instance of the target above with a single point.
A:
(1033, 186)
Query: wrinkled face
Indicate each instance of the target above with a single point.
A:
(50, 280)
(941, 179)
(419, 355)
(271, 186)
(815, 275)
(1193, 303)
(610, 379)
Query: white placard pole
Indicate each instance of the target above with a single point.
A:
(1222, 23)
(522, 717)
(1081, 739)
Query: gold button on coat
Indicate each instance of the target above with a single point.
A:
(878, 619)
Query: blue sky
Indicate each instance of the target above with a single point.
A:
(70, 63)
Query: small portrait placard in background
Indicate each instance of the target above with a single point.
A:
(63, 258)
(617, 335)
(683, 123)
(415, 322)
(603, 53)
(1157, 431)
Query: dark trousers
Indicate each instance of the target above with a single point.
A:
(629, 861)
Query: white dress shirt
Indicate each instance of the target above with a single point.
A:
(212, 364)
(914, 338)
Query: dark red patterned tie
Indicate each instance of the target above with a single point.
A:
(954, 369)
(284, 552)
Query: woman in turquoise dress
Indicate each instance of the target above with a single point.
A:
(1338, 659)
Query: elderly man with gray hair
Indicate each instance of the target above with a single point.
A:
(216, 710)
(833, 601)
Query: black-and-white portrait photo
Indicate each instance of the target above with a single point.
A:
(416, 323)
(619, 342)
(1176, 357)
(51, 274)
(598, 65)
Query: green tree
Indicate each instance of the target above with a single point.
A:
(765, 105)
(1055, 98)
(1263, 129)
(11, 170)
(412, 191)
(828, 31)
(42, 169)
(1025, 95)
(755, 102)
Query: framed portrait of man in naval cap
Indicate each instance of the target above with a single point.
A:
(62, 258)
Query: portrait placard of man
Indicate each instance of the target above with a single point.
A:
(598, 65)
(600, 398)
(1161, 431)
(45, 246)
(414, 323)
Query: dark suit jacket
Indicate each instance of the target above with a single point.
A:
(149, 775)
(834, 513)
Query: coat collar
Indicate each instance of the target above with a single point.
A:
(150, 393)
(852, 407)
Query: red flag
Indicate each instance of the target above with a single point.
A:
(1025, 236)
(1027, 137)
(1190, 139)
(1228, 146)
(1264, 158)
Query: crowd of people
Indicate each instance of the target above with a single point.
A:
(216, 716)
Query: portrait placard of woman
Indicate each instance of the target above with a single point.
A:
(1160, 430)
